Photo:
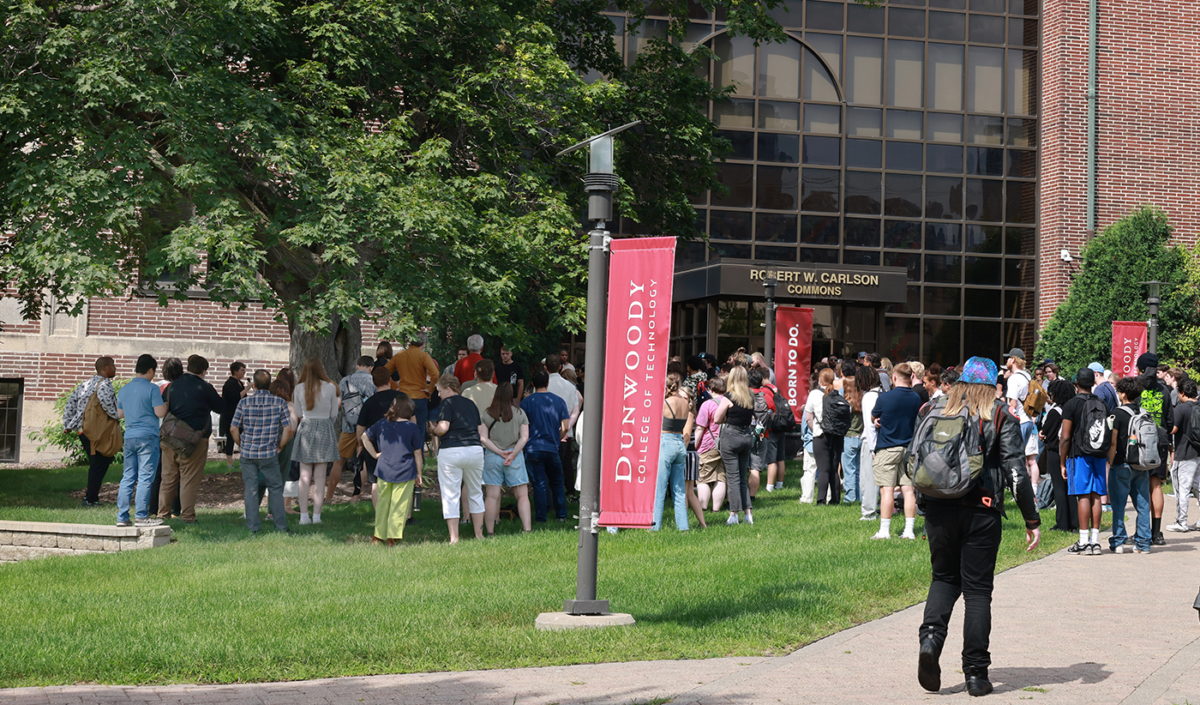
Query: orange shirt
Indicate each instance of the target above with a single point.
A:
(418, 373)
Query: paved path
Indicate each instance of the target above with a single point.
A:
(1067, 629)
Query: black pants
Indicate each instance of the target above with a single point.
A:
(1066, 508)
(963, 542)
(567, 455)
(827, 450)
(97, 468)
(735, 444)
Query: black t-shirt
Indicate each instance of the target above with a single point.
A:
(376, 407)
(1072, 411)
(510, 373)
(1121, 418)
(191, 400)
(463, 416)
(921, 391)
(1051, 425)
(1183, 417)
(231, 394)
(382, 361)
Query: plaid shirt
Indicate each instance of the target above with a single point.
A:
(261, 417)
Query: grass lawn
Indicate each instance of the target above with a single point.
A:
(220, 606)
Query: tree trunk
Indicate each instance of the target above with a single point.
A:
(338, 349)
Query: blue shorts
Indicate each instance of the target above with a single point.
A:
(495, 472)
(1086, 474)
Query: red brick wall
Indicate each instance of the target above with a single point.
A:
(182, 320)
(1148, 127)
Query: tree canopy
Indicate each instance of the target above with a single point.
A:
(1108, 288)
(337, 161)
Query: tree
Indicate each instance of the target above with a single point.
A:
(1107, 288)
(336, 161)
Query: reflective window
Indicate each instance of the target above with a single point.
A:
(984, 239)
(777, 187)
(863, 193)
(823, 119)
(822, 151)
(943, 200)
(985, 199)
(985, 80)
(775, 227)
(944, 158)
(942, 300)
(739, 179)
(945, 79)
(865, 154)
(820, 190)
(906, 73)
(944, 237)
(861, 232)
(773, 115)
(730, 225)
(903, 195)
(904, 155)
(864, 70)
(905, 124)
(906, 23)
(864, 122)
(945, 128)
(778, 148)
(947, 25)
(824, 15)
(775, 254)
(902, 235)
(988, 30)
(864, 19)
(819, 230)
(985, 161)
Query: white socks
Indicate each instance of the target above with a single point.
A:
(733, 519)
(779, 485)
(908, 526)
(1083, 537)
(316, 518)
(770, 488)
(304, 518)
(1095, 536)
(885, 526)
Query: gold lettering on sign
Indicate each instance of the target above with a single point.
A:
(810, 279)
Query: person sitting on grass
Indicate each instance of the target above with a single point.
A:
(397, 445)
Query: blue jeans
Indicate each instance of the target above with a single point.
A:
(546, 476)
(1125, 482)
(672, 462)
(851, 454)
(421, 414)
(259, 473)
(141, 460)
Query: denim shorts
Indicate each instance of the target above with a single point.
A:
(495, 472)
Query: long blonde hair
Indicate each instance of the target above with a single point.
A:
(311, 376)
(737, 388)
(980, 399)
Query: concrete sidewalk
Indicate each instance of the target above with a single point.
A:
(1066, 629)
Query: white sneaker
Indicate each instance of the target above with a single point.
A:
(304, 520)
(316, 519)
(749, 519)
(869, 518)
(733, 519)
(152, 521)
(1194, 527)
(1177, 528)
(882, 535)
(910, 537)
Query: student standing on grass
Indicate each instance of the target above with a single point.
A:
(895, 418)
(676, 426)
(482, 389)
(1186, 469)
(711, 482)
(141, 405)
(964, 533)
(373, 411)
(172, 370)
(852, 441)
(548, 419)
(1084, 473)
(506, 432)
(460, 457)
(100, 386)
(736, 412)
(354, 389)
(316, 402)
(192, 400)
(866, 379)
(397, 446)
(1125, 482)
(233, 391)
(261, 425)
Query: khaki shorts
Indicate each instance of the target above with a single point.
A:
(889, 467)
(347, 445)
(712, 469)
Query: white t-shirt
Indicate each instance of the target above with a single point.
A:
(869, 431)
(815, 405)
(566, 391)
(1018, 388)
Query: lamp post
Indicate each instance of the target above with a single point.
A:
(1152, 326)
(600, 183)
(769, 338)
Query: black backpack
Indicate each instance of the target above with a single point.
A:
(1091, 434)
(1193, 433)
(835, 414)
(784, 419)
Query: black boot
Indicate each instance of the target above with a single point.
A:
(977, 681)
(929, 673)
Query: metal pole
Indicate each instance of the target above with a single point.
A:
(769, 338)
(1152, 326)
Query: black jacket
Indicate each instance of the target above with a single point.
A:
(1004, 466)
(191, 400)
(1156, 401)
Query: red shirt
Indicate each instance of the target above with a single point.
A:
(465, 369)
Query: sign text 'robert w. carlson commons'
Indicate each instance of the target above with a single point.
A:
(814, 283)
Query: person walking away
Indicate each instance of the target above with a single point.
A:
(316, 402)
(354, 389)
(233, 391)
(828, 433)
(1066, 507)
(866, 379)
(676, 425)
(1083, 448)
(548, 422)
(418, 376)
(1156, 400)
(736, 412)
(464, 369)
(141, 405)
(964, 531)
(506, 432)
(460, 457)
(398, 448)
(1125, 481)
(511, 372)
(895, 417)
(852, 441)
(98, 386)
(192, 401)
(1186, 470)
(262, 426)
(483, 390)
(711, 480)
(1017, 391)
(172, 370)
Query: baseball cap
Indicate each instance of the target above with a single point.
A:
(979, 370)
(1017, 353)
(1085, 377)
(862, 354)
(1147, 360)
(1096, 367)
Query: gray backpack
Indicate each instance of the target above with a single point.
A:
(1141, 452)
(946, 453)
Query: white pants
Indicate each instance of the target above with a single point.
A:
(456, 467)
(809, 479)
(1186, 474)
(867, 488)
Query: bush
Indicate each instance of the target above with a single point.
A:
(53, 435)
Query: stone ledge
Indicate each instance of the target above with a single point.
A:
(106, 530)
(22, 540)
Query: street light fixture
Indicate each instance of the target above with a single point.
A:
(1152, 326)
(769, 284)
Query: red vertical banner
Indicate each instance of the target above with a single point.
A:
(641, 272)
(1128, 342)
(793, 354)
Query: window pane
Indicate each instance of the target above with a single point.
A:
(862, 233)
(823, 119)
(775, 227)
(1019, 304)
(905, 156)
(1022, 202)
(912, 305)
(789, 13)
(982, 238)
(985, 80)
(778, 148)
(824, 151)
(777, 187)
(906, 72)
(1022, 82)
(864, 258)
(982, 339)
(945, 76)
(943, 237)
(818, 83)
(984, 270)
(996, 6)
(944, 158)
(863, 193)
(1018, 272)
(867, 154)
(824, 15)
(911, 260)
(735, 65)
(779, 70)
(690, 253)
(695, 32)
(818, 255)
(945, 128)
(742, 144)
(942, 301)
(739, 179)
(864, 122)
(906, 23)
(949, 4)
(734, 113)
(982, 129)
(1021, 241)
(900, 337)
(903, 196)
(864, 69)
(989, 30)
(778, 116)
(985, 161)
(1022, 133)
(947, 25)
(905, 124)
(727, 249)
(867, 20)
(775, 254)
(943, 200)
(983, 303)
(1022, 32)
(820, 190)
(941, 341)
(984, 200)
(1022, 163)
(943, 269)
(819, 230)
(638, 42)
(729, 225)
(829, 46)
(902, 235)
